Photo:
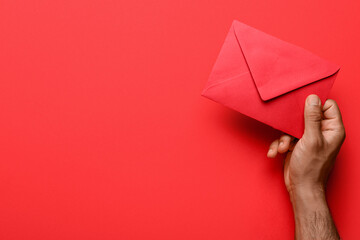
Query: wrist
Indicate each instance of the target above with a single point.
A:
(312, 215)
(310, 197)
(307, 190)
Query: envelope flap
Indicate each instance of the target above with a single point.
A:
(276, 66)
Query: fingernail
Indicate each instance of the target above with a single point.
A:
(270, 151)
(281, 143)
(313, 100)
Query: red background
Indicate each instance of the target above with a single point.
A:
(104, 134)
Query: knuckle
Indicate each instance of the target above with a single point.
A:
(285, 138)
(314, 114)
(331, 101)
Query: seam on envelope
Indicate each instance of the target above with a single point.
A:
(246, 61)
(226, 80)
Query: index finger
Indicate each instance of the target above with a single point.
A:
(332, 111)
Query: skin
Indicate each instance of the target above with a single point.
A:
(307, 166)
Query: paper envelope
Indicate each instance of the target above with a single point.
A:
(268, 79)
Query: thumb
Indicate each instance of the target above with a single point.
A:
(312, 114)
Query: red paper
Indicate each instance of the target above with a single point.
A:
(268, 79)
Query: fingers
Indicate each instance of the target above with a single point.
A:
(293, 144)
(273, 149)
(284, 143)
(312, 115)
(332, 119)
(332, 111)
(281, 145)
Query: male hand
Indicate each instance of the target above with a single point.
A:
(308, 164)
(310, 159)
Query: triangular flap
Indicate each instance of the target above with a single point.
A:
(276, 66)
(230, 62)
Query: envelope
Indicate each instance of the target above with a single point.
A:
(268, 79)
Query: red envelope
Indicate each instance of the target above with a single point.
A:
(268, 79)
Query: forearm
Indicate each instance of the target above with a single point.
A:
(312, 215)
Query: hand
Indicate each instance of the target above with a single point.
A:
(307, 167)
(309, 160)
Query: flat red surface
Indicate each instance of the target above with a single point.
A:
(104, 134)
